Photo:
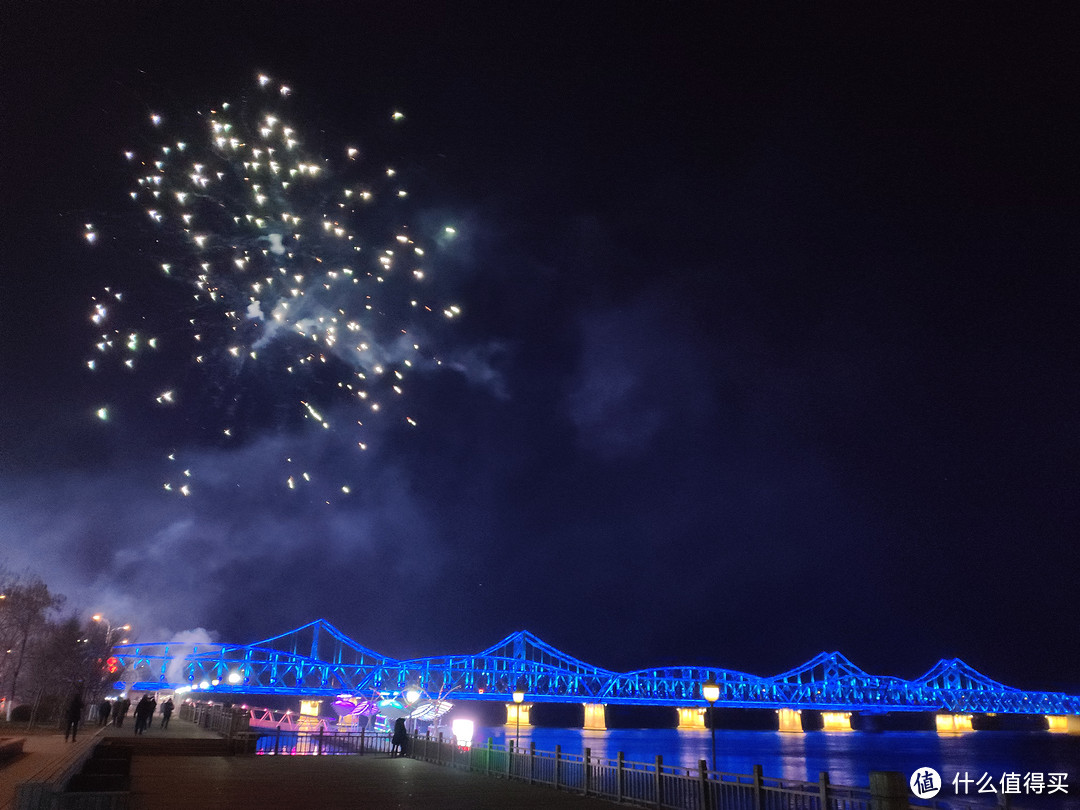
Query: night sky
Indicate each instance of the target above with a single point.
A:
(768, 335)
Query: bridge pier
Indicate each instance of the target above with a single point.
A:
(691, 718)
(1063, 723)
(309, 715)
(595, 717)
(516, 712)
(836, 721)
(953, 723)
(790, 721)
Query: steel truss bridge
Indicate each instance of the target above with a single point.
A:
(318, 660)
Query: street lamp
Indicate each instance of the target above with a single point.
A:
(97, 617)
(711, 692)
(519, 697)
(411, 695)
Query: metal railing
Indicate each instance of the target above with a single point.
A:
(673, 787)
(287, 742)
(651, 784)
(229, 721)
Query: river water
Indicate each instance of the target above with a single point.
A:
(847, 757)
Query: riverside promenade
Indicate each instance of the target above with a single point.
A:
(163, 776)
(42, 753)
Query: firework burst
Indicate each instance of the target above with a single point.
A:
(306, 288)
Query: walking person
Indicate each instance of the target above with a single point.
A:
(120, 710)
(73, 715)
(143, 711)
(166, 713)
(104, 711)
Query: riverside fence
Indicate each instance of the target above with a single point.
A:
(650, 784)
(672, 787)
(229, 721)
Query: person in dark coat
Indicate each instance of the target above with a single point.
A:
(120, 710)
(144, 709)
(166, 712)
(103, 712)
(72, 716)
(399, 743)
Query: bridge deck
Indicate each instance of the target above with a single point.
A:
(376, 781)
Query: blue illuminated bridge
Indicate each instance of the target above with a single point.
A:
(318, 660)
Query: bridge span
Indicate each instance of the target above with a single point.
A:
(318, 660)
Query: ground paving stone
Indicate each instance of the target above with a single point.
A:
(332, 782)
(297, 783)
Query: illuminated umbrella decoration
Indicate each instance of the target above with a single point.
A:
(354, 706)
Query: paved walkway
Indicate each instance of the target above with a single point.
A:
(210, 782)
(328, 783)
(178, 730)
(40, 752)
(43, 752)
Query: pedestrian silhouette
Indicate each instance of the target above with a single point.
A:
(103, 712)
(120, 710)
(399, 743)
(73, 715)
(144, 710)
(166, 712)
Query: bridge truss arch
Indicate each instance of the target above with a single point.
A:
(318, 660)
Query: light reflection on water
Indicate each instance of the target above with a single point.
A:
(847, 757)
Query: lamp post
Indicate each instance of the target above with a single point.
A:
(97, 617)
(711, 692)
(519, 697)
(411, 695)
(109, 667)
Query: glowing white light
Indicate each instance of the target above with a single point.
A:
(462, 729)
(235, 677)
